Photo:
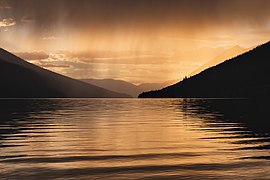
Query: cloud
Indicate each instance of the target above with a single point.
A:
(49, 38)
(38, 55)
(134, 69)
(146, 14)
(7, 22)
(115, 57)
(127, 60)
(5, 5)
(111, 68)
(28, 19)
(48, 65)
(135, 73)
(264, 32)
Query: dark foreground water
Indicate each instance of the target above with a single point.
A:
(134, 139)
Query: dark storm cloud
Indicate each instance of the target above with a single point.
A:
(142, 13)
(4, 4)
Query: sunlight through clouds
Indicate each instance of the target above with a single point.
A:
(178, 35)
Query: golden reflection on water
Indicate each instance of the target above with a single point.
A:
(129, 138)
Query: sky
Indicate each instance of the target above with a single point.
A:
(134, 40)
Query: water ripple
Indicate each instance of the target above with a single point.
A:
(134, 138)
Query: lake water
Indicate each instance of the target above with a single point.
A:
(134, 139)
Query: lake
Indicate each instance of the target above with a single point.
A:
(134, 139)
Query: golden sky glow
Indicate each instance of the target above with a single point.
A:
(138, 41)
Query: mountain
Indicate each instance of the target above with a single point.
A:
(20, 79)
(227, 54)
(155, 86)
(200, 54)
(244, 76)
(121, 86)
(115, 85)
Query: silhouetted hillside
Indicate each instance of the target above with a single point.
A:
(20, 79)
(155, 86)
(246, 75)
(227, 54)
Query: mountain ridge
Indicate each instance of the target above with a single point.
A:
(243, 76)
(227, 54)
(21, 79)
(119, 86)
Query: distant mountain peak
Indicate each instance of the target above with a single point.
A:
(237, 47)
(122, 86)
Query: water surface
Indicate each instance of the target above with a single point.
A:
(134, 139)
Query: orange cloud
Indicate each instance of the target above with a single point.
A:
(7, 22)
